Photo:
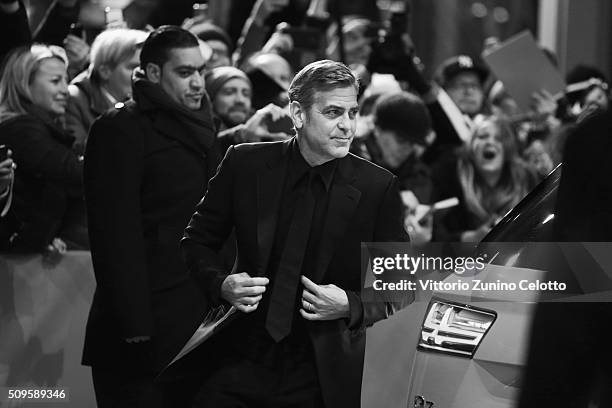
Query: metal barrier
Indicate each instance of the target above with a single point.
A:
(43, 311)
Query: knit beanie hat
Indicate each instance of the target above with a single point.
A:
(217, 77)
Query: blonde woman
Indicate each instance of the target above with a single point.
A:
(47, 195)
(488, 178)
(115, 53)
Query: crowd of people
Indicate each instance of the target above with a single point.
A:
(445, 150)
(111, 143)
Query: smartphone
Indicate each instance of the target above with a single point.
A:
(3, 152)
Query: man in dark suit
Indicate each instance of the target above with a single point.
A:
(301, 209)
(147, 165)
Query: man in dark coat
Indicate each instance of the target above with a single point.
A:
(301, 209)
(147, 165)
(570, 368)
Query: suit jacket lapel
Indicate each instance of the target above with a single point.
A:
(342, 205)
(270, 183)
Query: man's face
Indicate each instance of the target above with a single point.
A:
(466, 91)
(181, 77)
(233, 102)
(326, 129)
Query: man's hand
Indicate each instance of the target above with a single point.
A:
(256, 130)
(279, 43)
(323, 302)
(54, 252)
(77, 51)
(419, 230)
(242, 291)
(543, 104)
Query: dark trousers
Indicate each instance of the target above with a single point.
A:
(120, 388)
(239, 382)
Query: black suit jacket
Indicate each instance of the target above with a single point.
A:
(143, 177)
(364, 206)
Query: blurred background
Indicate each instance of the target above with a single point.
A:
(576, 31)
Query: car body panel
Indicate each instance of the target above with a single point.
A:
(491, 378)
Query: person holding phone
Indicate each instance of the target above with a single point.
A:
(47, 208)
(402, 131)
(230, 91)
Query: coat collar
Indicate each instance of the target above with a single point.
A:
(194, 129)
(98, 103)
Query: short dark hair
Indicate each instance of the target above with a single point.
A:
(320, 76)
(156, 48)
(404, 114)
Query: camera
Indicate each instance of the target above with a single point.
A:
(388, 50)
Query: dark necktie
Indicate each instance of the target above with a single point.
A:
(287, 278)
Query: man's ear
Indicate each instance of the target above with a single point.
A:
(153, 72)
(298, 114)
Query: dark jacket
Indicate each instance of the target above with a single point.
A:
(48, 184)
(364, 206)
(86, 103)
(414, 175)
(447, 139)
(145, 170)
